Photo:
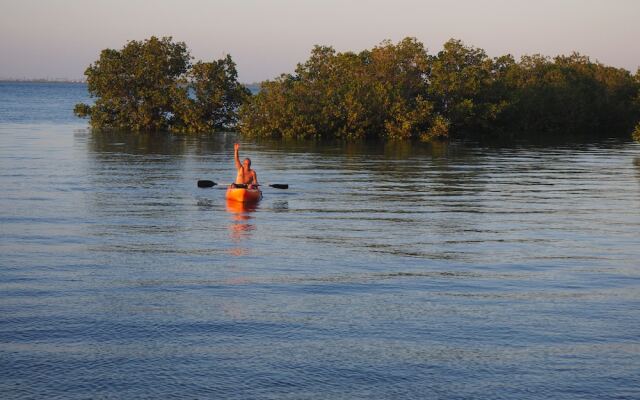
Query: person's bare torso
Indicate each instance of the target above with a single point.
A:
(245, 176)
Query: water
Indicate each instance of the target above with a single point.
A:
(385, 271)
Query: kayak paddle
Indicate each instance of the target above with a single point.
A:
(206, 183)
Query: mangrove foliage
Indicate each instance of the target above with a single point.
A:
(400, 91)
(152, 85)
(395, 91)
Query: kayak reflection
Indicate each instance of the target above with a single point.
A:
(241, 224)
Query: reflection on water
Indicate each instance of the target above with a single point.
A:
(241, 225)
(205, 204)
(387, 270)
(280, 206)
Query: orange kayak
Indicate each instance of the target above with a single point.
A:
(243, 195)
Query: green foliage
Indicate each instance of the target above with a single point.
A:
(82, 110)
(375, 93)
(216, 96)
(569, 95)
(399, 91)
(151, 85)
(392, 91)
(636, 133)
(463, 86)
(438, 130)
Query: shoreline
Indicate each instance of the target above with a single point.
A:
(41, 81)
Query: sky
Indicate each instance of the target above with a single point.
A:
(58, 39)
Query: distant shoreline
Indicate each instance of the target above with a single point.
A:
(253, 87)
(41, 81)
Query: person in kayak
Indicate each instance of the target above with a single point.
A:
(246, 177)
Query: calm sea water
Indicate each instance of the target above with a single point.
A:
(385, 271)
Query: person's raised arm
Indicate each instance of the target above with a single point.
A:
(236, 147)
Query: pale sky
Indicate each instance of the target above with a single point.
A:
(60, 38)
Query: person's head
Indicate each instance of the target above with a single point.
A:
(247, 163)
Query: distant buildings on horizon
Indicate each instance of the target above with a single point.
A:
(44, 80)
(254, 87)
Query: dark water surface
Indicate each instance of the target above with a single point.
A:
(385, 271)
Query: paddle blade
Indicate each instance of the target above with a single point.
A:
(279, 186)
(206, 184)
